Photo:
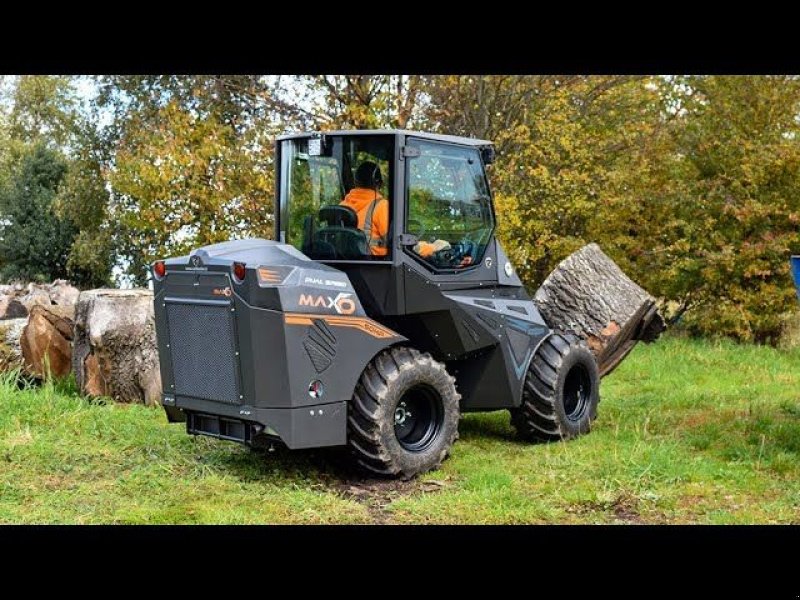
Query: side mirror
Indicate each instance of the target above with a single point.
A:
(487, 154)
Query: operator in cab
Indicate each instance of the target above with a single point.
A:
(371, 207)
(373, 214)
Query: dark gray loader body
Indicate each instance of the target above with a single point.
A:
(327, 339)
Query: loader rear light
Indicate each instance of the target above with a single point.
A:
(160, 269)
(239, 272)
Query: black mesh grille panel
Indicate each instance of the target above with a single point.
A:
(203, 351)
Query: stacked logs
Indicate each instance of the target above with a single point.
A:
(36, 322)
(106, 337)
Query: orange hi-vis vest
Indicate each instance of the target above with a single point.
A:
(373, 217)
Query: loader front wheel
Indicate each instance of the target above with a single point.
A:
(403, 418)
(559, 400)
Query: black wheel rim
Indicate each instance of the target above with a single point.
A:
(418, 418)
(577, 389)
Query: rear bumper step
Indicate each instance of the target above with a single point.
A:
(222, 428)
(311, 426)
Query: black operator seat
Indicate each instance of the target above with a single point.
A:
(341, 233)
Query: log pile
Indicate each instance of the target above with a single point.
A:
(589, 295)
(35, 327)
(17, 299)
(106, 337)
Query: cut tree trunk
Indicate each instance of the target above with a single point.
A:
(10, 351)
(114, 349)
(589, 295)
(46, 341)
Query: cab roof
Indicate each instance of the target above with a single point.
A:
(453, 139)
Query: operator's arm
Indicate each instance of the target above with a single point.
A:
(426, 249)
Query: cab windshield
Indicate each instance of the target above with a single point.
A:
(336, 196)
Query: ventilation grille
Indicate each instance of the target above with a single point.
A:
(320, 344)
(203, 351)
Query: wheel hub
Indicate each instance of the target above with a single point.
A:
(418, 418)
(401, 413)
(576, 393)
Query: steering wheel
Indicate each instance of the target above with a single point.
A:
(455, 254)
(468, 246)
(446, 257)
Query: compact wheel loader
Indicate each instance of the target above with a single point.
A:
(385, 308)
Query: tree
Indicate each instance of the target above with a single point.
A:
(712, 226)
(44, 109)
(35, 242)
(84, 200)
(191, 164)
(366, 101)
(690, 184)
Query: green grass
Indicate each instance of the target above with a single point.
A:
(688, 432)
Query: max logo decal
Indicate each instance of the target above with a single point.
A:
(226, 291)
(342, 303)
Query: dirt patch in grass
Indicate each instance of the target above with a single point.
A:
(701, 418)
(54, 482)
(377, 494)
(624, 508)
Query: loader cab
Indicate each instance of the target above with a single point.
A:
(432, 189)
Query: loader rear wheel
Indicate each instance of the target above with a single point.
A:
(559, 400)
(403, 418)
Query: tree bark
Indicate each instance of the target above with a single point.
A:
(46, 341)
(589, 295)
(114, 349)
(10, 351)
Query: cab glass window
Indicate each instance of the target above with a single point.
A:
(449, 209)
(336, 196)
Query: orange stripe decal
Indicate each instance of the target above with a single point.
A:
(364, 324)
(269, 276)
(298, 320)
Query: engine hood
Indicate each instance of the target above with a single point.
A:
(277, 277)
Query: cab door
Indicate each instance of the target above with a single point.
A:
(449, 219)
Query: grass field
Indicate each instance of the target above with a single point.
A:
(688, 432)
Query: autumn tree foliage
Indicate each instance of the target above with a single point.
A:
(715, 212)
